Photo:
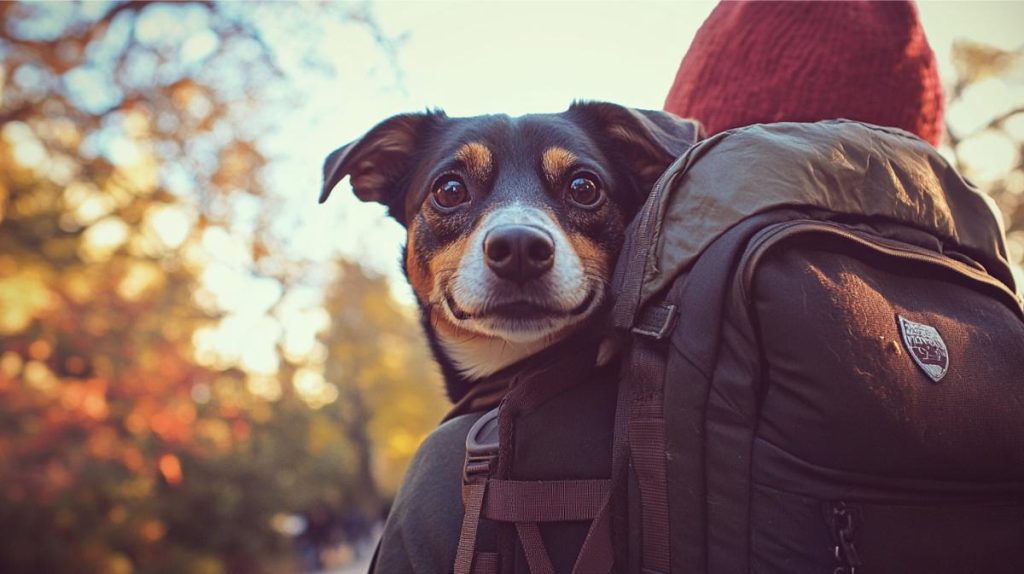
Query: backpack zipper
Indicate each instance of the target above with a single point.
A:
(768, 237)
(843, 529)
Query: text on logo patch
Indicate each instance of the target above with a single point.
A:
(926, 347)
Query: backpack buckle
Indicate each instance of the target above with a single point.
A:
(656, 321)
(481, 448)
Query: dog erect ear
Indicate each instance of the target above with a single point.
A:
(378, 160)
(647, 140)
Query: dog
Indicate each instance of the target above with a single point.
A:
(513, 223)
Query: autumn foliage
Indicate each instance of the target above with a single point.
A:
(135, 436)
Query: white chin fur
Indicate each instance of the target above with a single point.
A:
(491, 349)
(483, 356)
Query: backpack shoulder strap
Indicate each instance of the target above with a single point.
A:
(697, 303)
(491, 493)
(645, 432)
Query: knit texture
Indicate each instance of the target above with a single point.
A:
(761, 62)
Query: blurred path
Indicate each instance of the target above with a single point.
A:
(357, 567)
(362, 561)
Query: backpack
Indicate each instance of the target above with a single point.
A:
(822, 370)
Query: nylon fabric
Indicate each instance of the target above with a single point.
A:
(853, 366)
(597, 555)
(562, 379)
(473, 498)
(533, 547)
(486, 563)
(897, 446)
(544, 501)
(482, 396)
(839, 166)
(647, 445)
(646, 436)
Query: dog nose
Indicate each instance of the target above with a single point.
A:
(519, 252)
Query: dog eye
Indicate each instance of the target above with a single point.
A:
(584, 191)
(449, 192)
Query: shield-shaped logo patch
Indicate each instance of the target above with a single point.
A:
(926, 347)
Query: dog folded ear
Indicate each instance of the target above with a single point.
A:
(378, 160)
(647, 140)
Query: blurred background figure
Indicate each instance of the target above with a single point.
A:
(198, 363)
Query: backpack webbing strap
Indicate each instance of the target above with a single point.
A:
(485, 563)
(647, 443)
(646, 436)
(598, 553)
(544, 500)
(533, 548)
(597, 556)
(472, 500)
(526, 503)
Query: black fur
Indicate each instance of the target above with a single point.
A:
(397, 161)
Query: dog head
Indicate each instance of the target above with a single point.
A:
(513, 223)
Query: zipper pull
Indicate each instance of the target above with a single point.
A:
(843, 529)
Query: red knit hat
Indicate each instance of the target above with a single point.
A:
(758, 62)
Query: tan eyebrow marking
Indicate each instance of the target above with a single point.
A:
(556, 161)
(477, 159)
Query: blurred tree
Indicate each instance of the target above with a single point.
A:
(389, 384)
(985, 131)
(130, 173)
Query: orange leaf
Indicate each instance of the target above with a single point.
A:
(170, 467)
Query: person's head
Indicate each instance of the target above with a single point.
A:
(761, 62)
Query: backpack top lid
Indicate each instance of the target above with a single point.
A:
(840, 166)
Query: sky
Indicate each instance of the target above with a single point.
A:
(498, 57)
(468, 59)
(515, 58)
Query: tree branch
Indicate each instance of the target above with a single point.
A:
(17, 114)
(998, 121)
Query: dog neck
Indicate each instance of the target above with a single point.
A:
(478, 357)
(466, 359)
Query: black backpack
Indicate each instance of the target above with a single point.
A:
(822, 370)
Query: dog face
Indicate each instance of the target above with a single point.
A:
(513, 223)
